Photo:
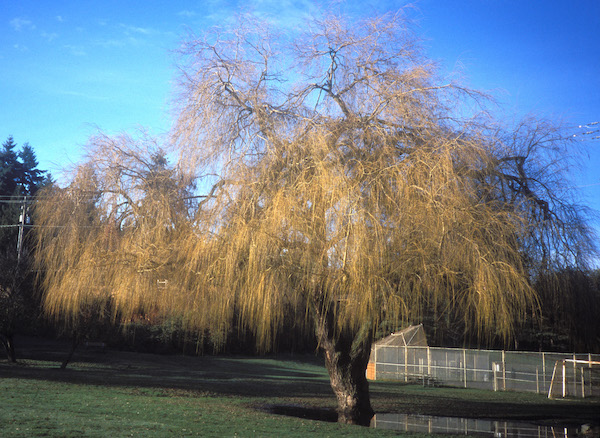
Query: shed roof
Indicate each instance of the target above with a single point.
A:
(413, 335)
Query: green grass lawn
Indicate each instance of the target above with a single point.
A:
(157, 396)
(44, 408)
(121, 394)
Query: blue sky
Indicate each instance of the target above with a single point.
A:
(69, 67)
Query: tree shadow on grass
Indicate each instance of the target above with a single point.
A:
(283, 376)
(299, 411)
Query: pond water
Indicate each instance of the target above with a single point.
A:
(479, 427)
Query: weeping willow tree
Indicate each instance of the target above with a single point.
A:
(344, 183)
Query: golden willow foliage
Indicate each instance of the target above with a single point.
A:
(109, 239)
(347, 183)
(342, 183)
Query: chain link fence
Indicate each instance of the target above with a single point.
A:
(486, 369)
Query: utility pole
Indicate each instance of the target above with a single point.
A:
(22, 219)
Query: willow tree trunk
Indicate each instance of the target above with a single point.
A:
(346, 358)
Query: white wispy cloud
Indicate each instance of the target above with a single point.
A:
(287, 14)
(125, 41)
(20, 24)
(111, 42)
(124, 35)
(75, 50)
(135, 29)
(283, 14)
(49, 36)
(186, 13)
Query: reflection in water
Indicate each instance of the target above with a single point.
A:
(472, 426)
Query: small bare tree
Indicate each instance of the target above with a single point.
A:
(342, 184)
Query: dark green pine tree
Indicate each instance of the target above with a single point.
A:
(29, 177)
(20, 179)
(9, 207)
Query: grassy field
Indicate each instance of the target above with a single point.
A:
(122, 394)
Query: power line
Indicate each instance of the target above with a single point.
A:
(41, 226)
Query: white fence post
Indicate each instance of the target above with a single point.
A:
(590, 361)
(564, 379)
(503, 370)
(574, 374)
(405, 363)
(495, 369)
(429, 361)
(375, 364)
(544, 368)
(465, 366)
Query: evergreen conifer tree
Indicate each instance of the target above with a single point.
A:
(20, 179)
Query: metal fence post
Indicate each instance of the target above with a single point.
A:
(446, 367)
(503, 371)
(544, 369)
(375, 367)
(574, 374)
(590, 361)
(494, 369)
(429, 361)
(405, 363)
(564, 379)
(465, 366)
(398, 364)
